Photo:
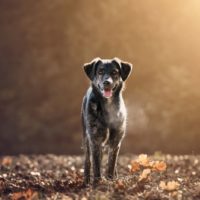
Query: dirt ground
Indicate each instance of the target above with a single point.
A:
(52, 177)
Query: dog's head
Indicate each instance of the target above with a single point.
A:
(107, 75)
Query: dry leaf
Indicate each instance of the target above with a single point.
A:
(159, 166)
(83, 198)
(145, 174)
(172, 185)
(143, 160)
(65, 197)
(134, 166)
(120, 185)
(169, 186)
(28, 195)
(162, 185)
(6, 161)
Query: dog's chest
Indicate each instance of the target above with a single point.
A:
(114, 114)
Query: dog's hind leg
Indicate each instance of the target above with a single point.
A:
(87, 163)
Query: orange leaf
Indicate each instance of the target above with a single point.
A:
(159, 166)
(120, 185)
(169, 186)
(145, 174)
(6, 161)
(143, 160)
(134, 166)
(28, 195)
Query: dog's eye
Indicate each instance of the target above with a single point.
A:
(101, 71)
(114, 72)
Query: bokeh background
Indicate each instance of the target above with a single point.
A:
(43, 45)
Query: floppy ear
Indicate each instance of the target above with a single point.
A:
(89, 68)
(125, 68)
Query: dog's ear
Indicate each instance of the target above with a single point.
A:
(125, 68)
(89, 68)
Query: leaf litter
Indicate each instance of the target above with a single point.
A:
(61, 177)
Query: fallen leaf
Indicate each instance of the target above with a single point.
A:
(65, 197)
(28, 195)
(159, 166)
(119, 185)
(143, 160)
(83, 198)
(6, 161)
(162, 185)
(135, 166)
(169, 186)
(145, 174)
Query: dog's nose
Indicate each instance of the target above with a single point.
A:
(106, 83)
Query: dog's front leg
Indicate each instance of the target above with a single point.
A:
(114, 147)
(87, 162)
(96, 151)
(112, 161)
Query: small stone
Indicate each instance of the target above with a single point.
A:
(4, 175)
(35, 173)
(194, 173)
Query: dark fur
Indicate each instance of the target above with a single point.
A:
(104, 119)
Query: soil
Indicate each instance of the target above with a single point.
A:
(61, 177)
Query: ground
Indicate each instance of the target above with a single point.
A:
(54, 177)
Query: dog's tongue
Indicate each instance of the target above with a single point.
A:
(107, 93)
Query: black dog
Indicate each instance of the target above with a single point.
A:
(104, 114)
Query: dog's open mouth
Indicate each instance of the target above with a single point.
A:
(107, 93)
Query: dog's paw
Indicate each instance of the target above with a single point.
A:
(96, 182)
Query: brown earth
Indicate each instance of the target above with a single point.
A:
(61, 177)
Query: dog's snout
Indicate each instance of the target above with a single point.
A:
(106, 83)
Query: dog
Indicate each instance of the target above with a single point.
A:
(103, 115)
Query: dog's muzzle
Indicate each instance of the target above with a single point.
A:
(107, 89)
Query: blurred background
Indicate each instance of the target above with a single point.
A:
(44, 44)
